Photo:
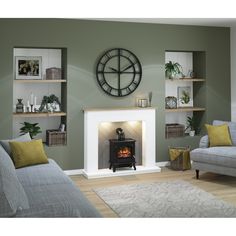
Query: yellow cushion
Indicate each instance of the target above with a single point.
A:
(219, 135)
(28, 153)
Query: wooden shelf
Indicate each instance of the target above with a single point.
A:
(189, 79)
(186, 109)
(39, 114)
(40, 80)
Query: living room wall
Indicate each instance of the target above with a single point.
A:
(85, 41)
(233, 72)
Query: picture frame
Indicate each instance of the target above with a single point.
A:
(28, 67)
(185, 96)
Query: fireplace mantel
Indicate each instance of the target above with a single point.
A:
(116, 109)
(92, 119)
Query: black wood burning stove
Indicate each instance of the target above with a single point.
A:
(122, 153)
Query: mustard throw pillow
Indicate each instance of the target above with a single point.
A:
(219, 135)
(28, 153)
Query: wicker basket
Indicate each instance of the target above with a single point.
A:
(53, 73)
(174, 130)
(180, 158)
(55, 137)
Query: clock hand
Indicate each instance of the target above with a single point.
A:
(127, 68)
(113, 69)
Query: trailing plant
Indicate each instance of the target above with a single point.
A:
(32, 129)
(173, 69)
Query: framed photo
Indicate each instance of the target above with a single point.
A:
(185, 97)
(28, 67)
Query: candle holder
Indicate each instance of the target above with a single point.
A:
(31, 107)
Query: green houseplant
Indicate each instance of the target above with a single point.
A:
(191, 125)
(32, 129)
(185, 98)
(172, 69)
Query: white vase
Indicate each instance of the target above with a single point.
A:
(192, 133)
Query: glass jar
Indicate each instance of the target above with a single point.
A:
(19, 106)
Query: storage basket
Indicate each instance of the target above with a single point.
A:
(55, 137)
(174, 130)
(53, 73)
(180, 158)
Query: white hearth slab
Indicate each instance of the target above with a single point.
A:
(94, 117)
(101, 173)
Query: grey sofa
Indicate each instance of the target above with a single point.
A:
(39, 191)
(221, 159)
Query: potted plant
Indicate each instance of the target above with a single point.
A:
(49, 103)
(32, 129)
(172, 69)
(191, 124)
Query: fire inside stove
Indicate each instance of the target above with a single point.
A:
(124, 152)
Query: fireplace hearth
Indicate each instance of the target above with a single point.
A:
(122, 153)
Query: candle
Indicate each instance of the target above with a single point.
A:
(31, 99)
(28, 106)
(35, 101)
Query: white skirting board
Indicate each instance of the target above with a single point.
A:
(128, 172)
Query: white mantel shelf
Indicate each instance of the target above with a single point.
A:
(95, 116)
(117, 109)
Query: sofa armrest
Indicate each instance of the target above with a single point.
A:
(204, 142)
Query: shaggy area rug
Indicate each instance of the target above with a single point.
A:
(164, 199)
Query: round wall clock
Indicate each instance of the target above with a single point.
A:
(118, 72)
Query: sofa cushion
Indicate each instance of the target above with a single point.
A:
(6, 145)
(12, 194)
(28, 153)
(232, 129)
(44, 174)
(222, 156)
(204, 142)
(57, 200)
(219, 135)
(51, 193)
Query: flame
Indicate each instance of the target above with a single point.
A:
(124, 152)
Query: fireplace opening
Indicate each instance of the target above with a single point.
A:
(122, 153)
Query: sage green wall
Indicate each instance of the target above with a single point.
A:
(85, 41)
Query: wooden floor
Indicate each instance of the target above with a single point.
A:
(223, 187)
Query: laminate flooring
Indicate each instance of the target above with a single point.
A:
(223, 187)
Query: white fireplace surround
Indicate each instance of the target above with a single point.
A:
(92, 119)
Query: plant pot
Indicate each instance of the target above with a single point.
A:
(192, 133)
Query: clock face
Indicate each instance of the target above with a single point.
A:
(118, 72)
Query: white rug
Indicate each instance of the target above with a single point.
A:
(164, 199)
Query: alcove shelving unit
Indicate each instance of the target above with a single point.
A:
(190, 61)
(39, 114)
(186, 109)
(22, 88)
(41, 81)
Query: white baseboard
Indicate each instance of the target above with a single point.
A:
(74, 172)
(163, 163)
(81, 171)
